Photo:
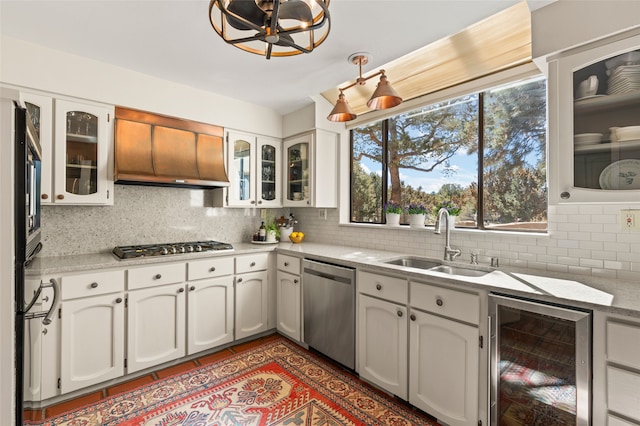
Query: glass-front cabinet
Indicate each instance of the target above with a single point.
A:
(594, 124)
(254, 167)
(40, 108)
(296, 153)
(82, 139)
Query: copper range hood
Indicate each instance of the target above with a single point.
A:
(152, 149)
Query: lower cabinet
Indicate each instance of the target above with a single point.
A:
(288, 305)
(443, 360)
(251, 304)
(156, 326)
(209, 314)
(382, 344)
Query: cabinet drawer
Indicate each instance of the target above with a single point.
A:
(155, 275)
(91, 284)
(289, 264)
(443, 301)
(623, 392)
(252, 263)
(623, 344)
(210, 268)
(388, 288)
(614, 421)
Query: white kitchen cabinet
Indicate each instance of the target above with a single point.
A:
(311, 170)
(92, 341)
(210, 303)
(156, 326)
(382, 344)
(254, 164)
(288, 305)
(251, 290)
(594, 172)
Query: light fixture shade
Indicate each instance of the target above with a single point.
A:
(341, 112)
(271, 27)
(384, 96)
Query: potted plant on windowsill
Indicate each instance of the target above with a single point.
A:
(454, 212)
(417, 214)
(392, 212)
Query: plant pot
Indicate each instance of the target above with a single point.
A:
(452, 221)
(416, 220)
(271, 236)
(393, 219)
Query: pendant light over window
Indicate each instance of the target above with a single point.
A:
(271, 27)
(383, 97)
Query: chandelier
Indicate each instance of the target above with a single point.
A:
(382, 98)
(271, 27)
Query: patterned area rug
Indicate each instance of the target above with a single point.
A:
(277, 383)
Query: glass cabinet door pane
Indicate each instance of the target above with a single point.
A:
(242, 166)
(82, 153)
(34, 114)
(269, 172)
(607, 123)
(298, 159)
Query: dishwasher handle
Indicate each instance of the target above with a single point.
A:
(328, 276)
(329, 271)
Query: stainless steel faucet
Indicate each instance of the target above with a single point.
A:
(448, 251)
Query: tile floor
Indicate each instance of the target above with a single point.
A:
(93, 397)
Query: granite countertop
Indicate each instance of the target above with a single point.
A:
(603, 294)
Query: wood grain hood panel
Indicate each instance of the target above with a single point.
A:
(157, 150)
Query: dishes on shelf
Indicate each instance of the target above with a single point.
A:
(623, 79)
(621, 175)
(628, 133)
(629, 58)
(587, 139)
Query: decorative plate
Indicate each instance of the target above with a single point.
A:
(623, 174)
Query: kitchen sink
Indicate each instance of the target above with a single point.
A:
(456, 270)
(414, 262)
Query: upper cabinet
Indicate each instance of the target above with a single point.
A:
(311, 172)
(76, 139)
(254, 164)
(594, 123)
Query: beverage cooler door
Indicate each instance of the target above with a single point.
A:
(540, 363)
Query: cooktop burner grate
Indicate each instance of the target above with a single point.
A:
(145, 250)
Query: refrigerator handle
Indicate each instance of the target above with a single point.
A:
(489, 369)
(54, 305)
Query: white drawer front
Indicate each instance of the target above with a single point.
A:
(388, 288)
(252, 263)
(623, 344)
(289, 264)
(91, 284)
(155, 275)
(210, 268)
(443, 301)
(614, 421)
(623, 392)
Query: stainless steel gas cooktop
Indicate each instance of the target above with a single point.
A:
(145, 250)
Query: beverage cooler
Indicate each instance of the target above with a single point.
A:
(540, 363)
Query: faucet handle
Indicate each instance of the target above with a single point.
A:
(495, 262)
(474, 258)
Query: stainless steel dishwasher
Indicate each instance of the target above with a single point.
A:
(329, 310)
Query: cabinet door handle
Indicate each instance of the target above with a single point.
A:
(260, 202)
(157, 276)
(119, 300)
(400, 314)
(253, 202)
(439, 302)
(378, 287)
(44, 331)
(181, 290)
(239, 280)
(295, 281)
(565, 195)
(252, 264)
(45, 196)
(60, 197)
(93, 285)
(286, 263)
(413, 317)
(192, 288)
(212, 269)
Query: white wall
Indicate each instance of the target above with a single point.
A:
(37, 67)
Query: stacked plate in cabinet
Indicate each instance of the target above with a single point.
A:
(624, 73)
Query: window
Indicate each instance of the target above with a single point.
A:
(483, 153)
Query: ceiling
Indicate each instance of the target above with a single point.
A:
(173, 40)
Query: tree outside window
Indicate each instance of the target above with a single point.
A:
(483, 153)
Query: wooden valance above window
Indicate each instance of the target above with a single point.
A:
(497, 43)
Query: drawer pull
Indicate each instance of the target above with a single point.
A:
(378, 287)
(412, 317)
(400, 314)
(119, 300)
(192, 288)
(239, 280)
(252, 264)
(181, 290)
(212, 269)
(157, 276)
(286, 263)
(439, 302)
(94, 285)
(60, 197)
(295, 281)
